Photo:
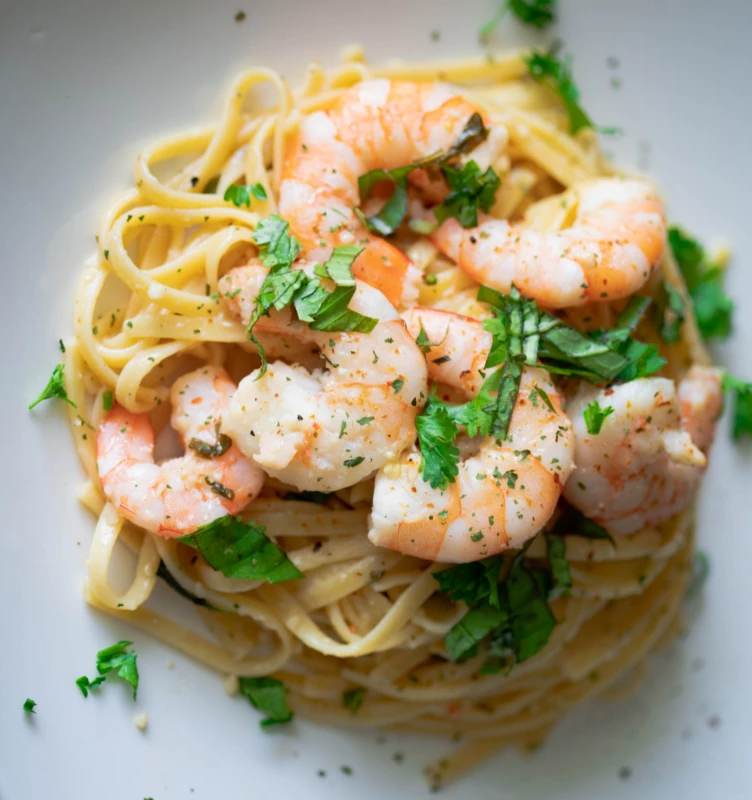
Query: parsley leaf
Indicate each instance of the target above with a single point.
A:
(595, 417)
(472, 583)
(352, 699)
(439, 457)
(530, 620)
(116, 660)
(712, 306)
(557, 559)
(268, 695)
(240, 549)
(283, 286)
(241, 195)
(469, 189)
(547, 68)
(517, 629)
(742, 405)
(28, 706)
(574, 521)
(538, 13)
(277, 246)
(334, 315)
(339, 266)
(463, 638)
(669, 312)
(55, 388)
(390, 217)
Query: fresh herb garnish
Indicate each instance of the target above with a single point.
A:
(556, 73)
(241, 195)
(352, 699)
(557, 559)
(713, 308)
(107, 401)
(468, 186)
(473, 583)
(469, 189)
(55, 388)
(268, 695)
(28, 706)
(115, 660)
(439, 456)
(595, 417)
(741, 392)
(283, 286)
(517, 627)
(669, 311)
(241, 549)
(206, 450)
(537, 13)
(574, 521)
(353, 462)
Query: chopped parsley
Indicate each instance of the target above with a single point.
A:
(283, 286)
(574, 521)
(55, 388)
(560, 574)
(473, 583)
(397, 385)
(469, 188)
(241, 549)
(28, 706)
(113, 660)
(669, 312)
(107, 401)
(547, 68)
(269, 696)
(595, 417)
(537, 13)
(352, 699)
(713, 308)
(741, 392)
(241, 195)
(523, 334)
(207, 450)
(353, 462)
(515, 624)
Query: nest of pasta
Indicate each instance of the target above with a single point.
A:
(359, 639)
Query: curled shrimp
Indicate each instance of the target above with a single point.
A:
(610, 250)
(326, 429)
(504, 493)
(646, 462)
(375, 124)
(181, 494)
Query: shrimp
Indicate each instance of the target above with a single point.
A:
(651, 452)
(615, 242)
(375, 124)
(181, 494)
(326, 429)
(506, 492)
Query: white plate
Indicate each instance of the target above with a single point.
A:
(82, 85)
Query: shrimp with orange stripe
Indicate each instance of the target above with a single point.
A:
(211, 480)
(505, 490)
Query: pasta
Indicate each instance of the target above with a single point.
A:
(361, 617)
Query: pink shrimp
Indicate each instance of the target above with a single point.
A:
(376, 124)
(614, 244)
(181, 494)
